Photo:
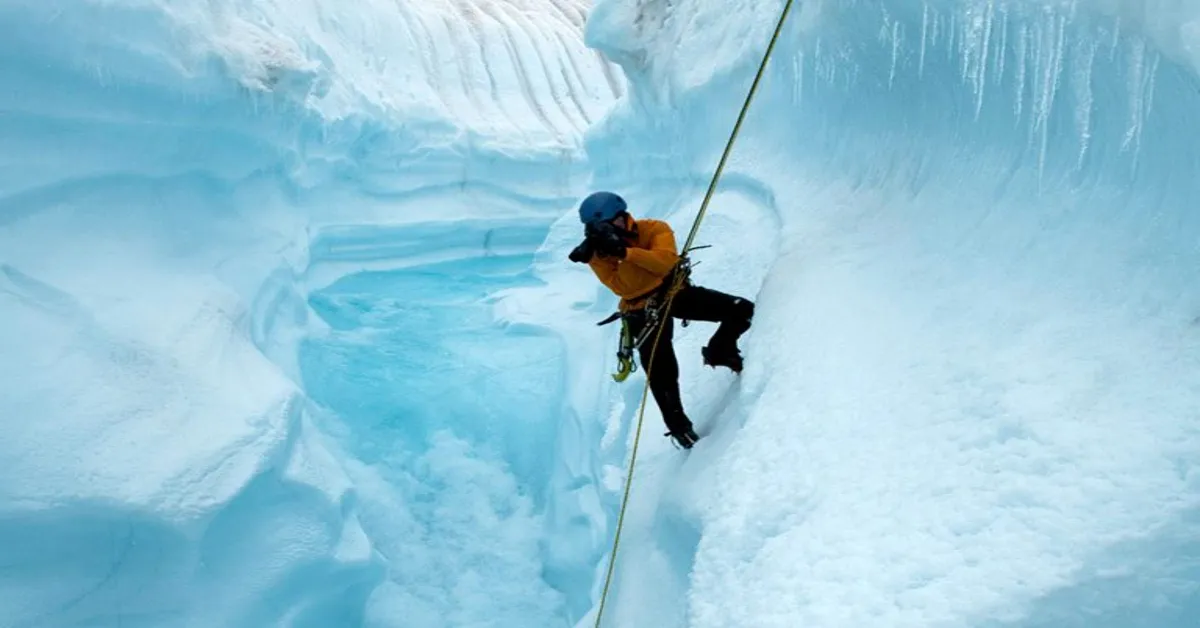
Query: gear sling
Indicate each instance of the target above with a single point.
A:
(628, 343)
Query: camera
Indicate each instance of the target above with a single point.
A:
(599, 237)
(600, 231)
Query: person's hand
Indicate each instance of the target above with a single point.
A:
(582, 254)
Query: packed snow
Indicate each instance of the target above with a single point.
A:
(290, 336)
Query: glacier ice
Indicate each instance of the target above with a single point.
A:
(290, 338)
(975, 348)
(187, 191)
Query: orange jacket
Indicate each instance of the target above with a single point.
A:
(649, 258)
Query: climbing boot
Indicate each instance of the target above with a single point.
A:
(679, 428)
(727, 357)
(685, 438)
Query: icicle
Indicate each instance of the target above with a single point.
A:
(1002, 49)
(981, 71)
(924, 31)
(1151, 85)
(895, 51)
(1022, 52)
(1143, 81)
(1137, 63)
(936, 26)
(964, 47)
(1036, 62)
(951, 35)
(1050, 79)
(1085, 57)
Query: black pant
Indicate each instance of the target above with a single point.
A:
(696, 304)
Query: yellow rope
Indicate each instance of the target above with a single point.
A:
(677, 283)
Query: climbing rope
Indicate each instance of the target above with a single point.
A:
(675, 285)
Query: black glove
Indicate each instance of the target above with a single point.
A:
(582, 254)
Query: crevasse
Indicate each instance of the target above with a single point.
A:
(244, 248)
(290, 337)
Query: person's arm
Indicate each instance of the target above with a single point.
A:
(607, 272)
(661, 257)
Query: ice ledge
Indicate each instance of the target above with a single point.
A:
(147, 475)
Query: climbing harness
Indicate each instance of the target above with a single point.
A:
(675, 285)
(653, 313)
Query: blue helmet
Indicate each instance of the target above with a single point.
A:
(601, 207)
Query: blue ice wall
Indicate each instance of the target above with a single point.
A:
(982, 306)
(170, 176)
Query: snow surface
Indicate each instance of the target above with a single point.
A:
(290, 337)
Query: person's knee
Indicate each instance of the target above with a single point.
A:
(743, 309)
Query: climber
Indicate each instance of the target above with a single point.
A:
(637, 259)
